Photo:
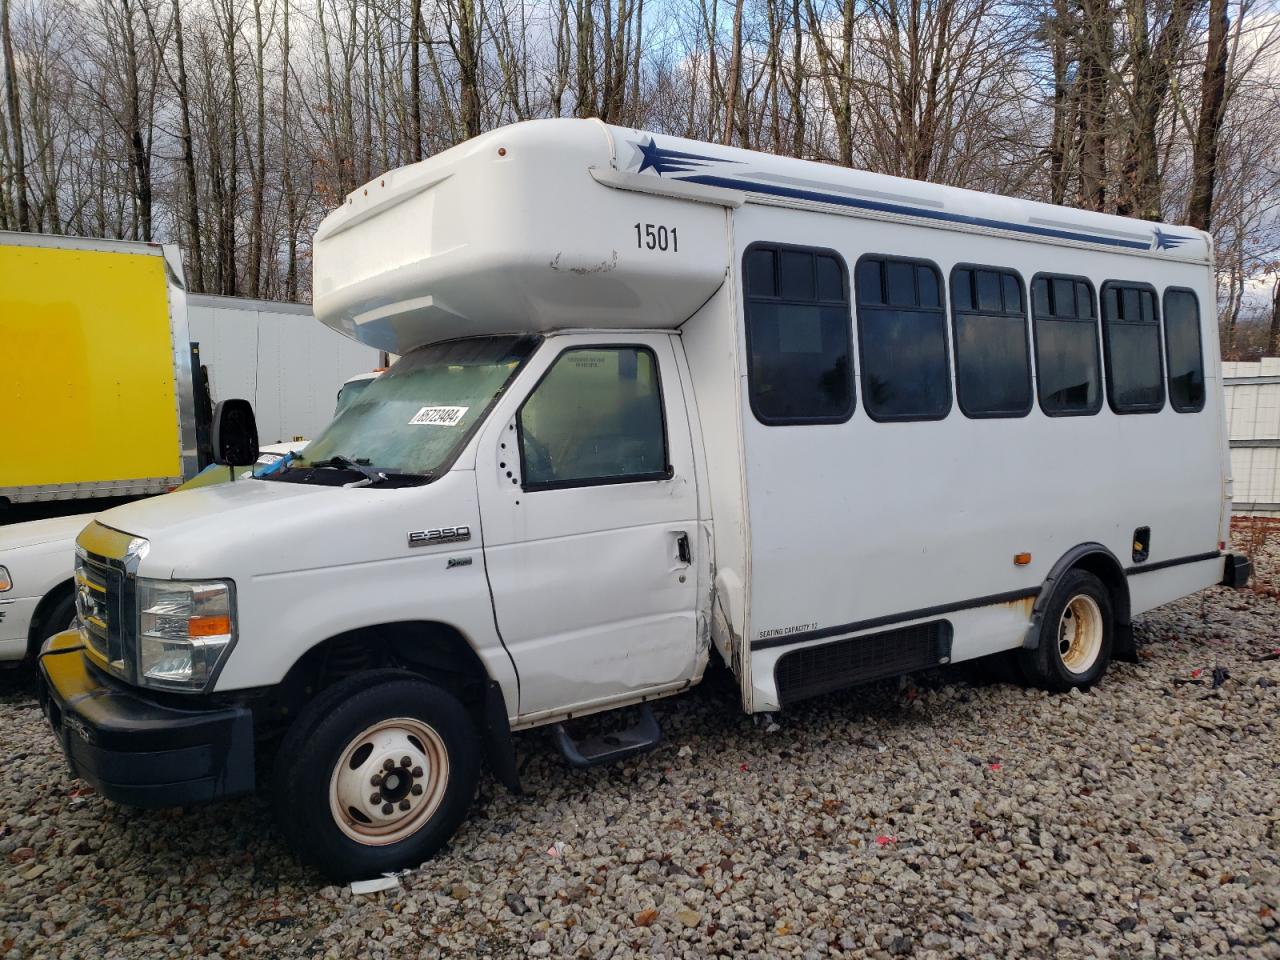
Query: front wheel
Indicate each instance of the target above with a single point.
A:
(1077, 633)
(375, 775)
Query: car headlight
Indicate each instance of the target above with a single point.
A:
(6, 581)
(185, 630)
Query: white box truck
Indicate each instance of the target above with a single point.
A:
(659, 401)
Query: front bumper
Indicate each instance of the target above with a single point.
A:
(135, 751)
(1236, 571)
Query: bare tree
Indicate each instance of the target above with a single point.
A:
(12, 100)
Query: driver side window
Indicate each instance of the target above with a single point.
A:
(596, 417)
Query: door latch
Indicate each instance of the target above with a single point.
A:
(682, 549)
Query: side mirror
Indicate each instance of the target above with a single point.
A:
(235, 433)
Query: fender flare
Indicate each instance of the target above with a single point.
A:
(1113, 576)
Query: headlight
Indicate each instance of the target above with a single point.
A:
(6, 581)
(185, 630)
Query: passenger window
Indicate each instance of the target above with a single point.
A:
(902, 339)
(596, 417)
(993, 356)
(1182, 349)
(799, 339)
(1068, 368)
(1131, 347)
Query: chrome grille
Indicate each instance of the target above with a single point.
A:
(106, 569)
(97, 607)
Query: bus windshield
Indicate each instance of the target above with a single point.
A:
(415, 417)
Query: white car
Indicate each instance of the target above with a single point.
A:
(36, 599)
(36, 561)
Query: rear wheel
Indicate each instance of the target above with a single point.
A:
(376, 775)
(1077, 633)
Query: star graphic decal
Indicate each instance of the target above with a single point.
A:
(1167, 241)
(661, 160)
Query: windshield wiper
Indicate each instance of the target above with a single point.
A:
(360, 466)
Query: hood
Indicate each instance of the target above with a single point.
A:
(250, 528)
(35, 532)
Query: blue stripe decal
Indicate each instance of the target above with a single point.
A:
(881, 207)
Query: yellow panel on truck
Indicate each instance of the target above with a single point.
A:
(95, 369)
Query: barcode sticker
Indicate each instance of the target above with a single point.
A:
(439, 416)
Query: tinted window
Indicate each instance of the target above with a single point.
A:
(1182, 348)
(799, 349)
(902, 338)
(595, 417)
(1131, 345)
(993, 358)
(1068, 369)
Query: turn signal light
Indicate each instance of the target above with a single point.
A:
(208, 626)
(1022, 559)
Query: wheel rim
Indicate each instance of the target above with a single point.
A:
(388, 781)
(1080, 634)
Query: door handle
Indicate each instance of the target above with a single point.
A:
(682, 549)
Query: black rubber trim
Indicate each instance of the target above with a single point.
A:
(1236, 571)
(1175, 562)
(808, 636)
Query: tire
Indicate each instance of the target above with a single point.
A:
(328, 772)
(60, 616)
(1077, 635)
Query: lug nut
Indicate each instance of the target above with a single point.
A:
(404, 804)
(388, 808)
(376, 779)
(406, 762)
(416, 789)
(375, 797)
(417, 771)
(388, 764)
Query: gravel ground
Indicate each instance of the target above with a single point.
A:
(935, 818)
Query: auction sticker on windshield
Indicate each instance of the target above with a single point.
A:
(439, 416)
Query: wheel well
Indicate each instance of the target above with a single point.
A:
(43, 610)
(429, 648)
(1105, 568)
(1099, 561)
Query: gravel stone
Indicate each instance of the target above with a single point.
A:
(946, 815)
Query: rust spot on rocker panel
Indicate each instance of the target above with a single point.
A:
(1025, 606)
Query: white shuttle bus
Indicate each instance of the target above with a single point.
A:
(659, 402)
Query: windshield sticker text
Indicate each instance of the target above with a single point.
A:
(439, 416)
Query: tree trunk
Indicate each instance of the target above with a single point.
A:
(1213, 102)
(139, 155)
(734, 82)
(584, 107)
(1151, 66)
(469, 66)
(195, 255)
(15, 121)
(797, 81)
(1061, 135)
(253, 282)
(1095, 61)
(415, 79)
(286, 165)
